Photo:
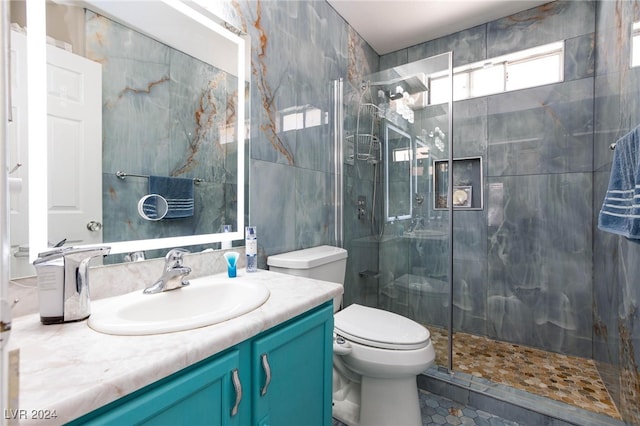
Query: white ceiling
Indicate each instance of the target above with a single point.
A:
(390, 25)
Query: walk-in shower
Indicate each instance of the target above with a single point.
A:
(431, 235)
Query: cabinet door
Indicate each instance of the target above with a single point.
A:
(292, 372)
(202, 394)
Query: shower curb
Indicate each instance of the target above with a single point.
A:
(507, 402)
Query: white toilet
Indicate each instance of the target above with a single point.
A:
(377, 354)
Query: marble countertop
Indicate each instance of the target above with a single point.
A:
(73, 369)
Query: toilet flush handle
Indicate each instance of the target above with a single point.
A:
(341, 346)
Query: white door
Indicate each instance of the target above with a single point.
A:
(74, 87)
(19, 167)
(74, 109)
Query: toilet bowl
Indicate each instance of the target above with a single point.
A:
(377, 354)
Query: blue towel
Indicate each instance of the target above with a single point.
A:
(177, 191)
(620, 211)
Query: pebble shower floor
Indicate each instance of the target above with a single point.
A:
(569, 379)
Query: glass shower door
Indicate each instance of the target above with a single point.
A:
(396, 229)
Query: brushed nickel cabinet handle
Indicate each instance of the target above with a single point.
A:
(267, 372)
(235, 378)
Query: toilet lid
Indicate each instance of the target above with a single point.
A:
(378, 328)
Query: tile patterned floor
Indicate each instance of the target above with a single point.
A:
(437, 410)
(563, 378)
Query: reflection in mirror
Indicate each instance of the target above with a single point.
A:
(180, 112)
(398, 166)
(166, 123)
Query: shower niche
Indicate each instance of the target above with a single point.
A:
(468, 184)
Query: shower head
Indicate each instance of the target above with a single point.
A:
(413, 84)
(394, 96)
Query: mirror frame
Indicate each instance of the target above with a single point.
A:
(176, 10)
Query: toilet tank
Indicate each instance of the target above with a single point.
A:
(326, 263)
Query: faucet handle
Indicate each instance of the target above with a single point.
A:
(173, 259)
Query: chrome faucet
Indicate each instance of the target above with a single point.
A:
(173, 273)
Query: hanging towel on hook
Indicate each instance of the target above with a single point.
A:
(620, 212)
(177, 191)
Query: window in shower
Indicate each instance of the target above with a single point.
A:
(635, 44)
(535, 71)
(527, 68)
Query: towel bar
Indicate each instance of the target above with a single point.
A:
(122, 175)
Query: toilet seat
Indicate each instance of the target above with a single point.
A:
(380, 329)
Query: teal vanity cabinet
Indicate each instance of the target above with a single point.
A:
(200, 394)
(292, 372)
(280, 377)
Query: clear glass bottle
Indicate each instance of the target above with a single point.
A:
(251, 248)
(225, 245)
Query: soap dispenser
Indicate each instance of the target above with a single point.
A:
(63, 283)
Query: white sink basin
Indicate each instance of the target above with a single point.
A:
(207, 301)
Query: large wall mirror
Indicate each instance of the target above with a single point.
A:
(144, 142)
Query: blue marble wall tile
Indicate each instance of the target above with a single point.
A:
(362, 60)
(613, 37)
(298, 49)
(617, 102)
(579, 57)
(277, 219)
(547, 129)
(608, 119)
(314, 208)
(390, 60)
(143, 88)
(554, 21)
(607, 298)
(362, 285)
(470, 131)
(539, 276)
(468, 46)
(470, 271)
(200, 107)
(313, 148)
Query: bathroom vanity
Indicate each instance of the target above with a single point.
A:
(270, 366)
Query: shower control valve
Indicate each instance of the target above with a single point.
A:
(362, 211)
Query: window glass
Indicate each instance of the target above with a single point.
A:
(439, 90)
(460, 86)
(635, 44)
(487, 80)
(527, 68)
(534, 72)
